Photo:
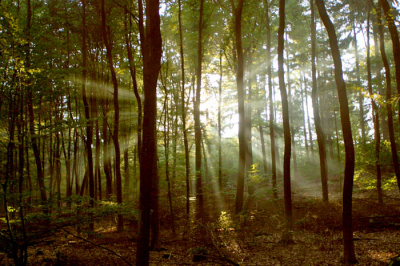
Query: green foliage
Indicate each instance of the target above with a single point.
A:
(225, 221)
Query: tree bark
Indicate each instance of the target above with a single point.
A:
(349, 254)
(375, 114)
(239, 84)
(396, 55)
(317, 119)
(183, 106)
(152, 49)
(197, 126)
(396, 50)
(271, 104)
(132, 71)
(304, 119)
(287, 235)
(89, 126)
(248, 127)
(33, 135)
(360, 96)
(219, 124)
(107, 43)
(166, 152)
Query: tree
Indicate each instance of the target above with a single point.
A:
(237, 11)
(317, 118)
(271, 105)
(375, 110)
(89, 127)
(349, 254)
(33, 135)
(152, 49)
(197, 125)
(115, 138)
(183, 106)
(396, 55)
(287, 235)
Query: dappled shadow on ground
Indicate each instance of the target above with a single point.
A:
(251, 238)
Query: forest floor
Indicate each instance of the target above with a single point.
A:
(250, 239)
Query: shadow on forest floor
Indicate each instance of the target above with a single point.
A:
(252, 238)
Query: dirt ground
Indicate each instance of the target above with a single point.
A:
(250, 239)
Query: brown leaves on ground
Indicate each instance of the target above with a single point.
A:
(253, 238)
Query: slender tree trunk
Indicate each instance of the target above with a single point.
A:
(287, 236)
(309, 124)
(291, 116)
(185, 139)
(152, 45)
(98, 147)
(396, 55)
(264, 157)
(239, 84)
(106, 153)
(132, 71)
(107, 43)
(375, 111)
(174, 138)
(166, 152)
(387, 9)
(75, 163)
(219, 124)
(337, 149)
(271, 104)
(126, 169)
(378, 68)
(389, 106)
(248, 133)
(197, 126)
(89, 126)
(317, 119)
(304, 120)
(360, 96)
(349, 254)
(33, 135)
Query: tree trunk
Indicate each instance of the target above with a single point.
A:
(396, 52)
(183, 105)
(271, 104)
(151, 51)
(197, 126)
(309, 125)
(239, 84)
(349, 254)
(264, 156)
(287, 235)
(389, 106)
(248, 134)
(132, 71)
(360, 96)
(375, 114)
(396, 55)
(304, 119)
(378, 68)
(106, 153)
(291, 116)
(219, 124)
(89, 126)
(317, 119)
(33, 135)
(166, 152)
(107, 43)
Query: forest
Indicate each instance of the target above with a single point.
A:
(199, 132)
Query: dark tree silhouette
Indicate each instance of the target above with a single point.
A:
(349, 254)
(148, 171)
